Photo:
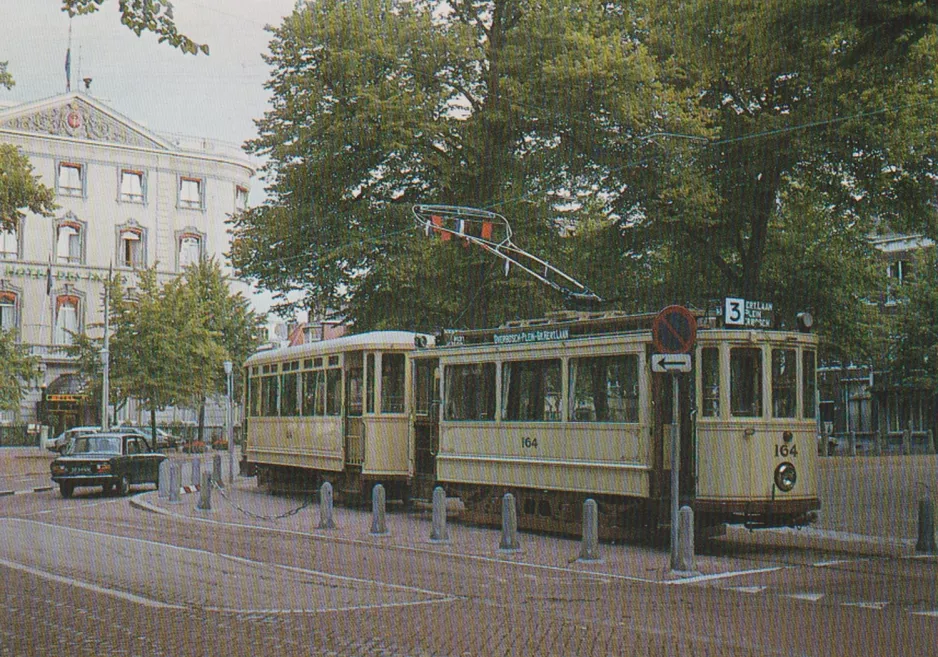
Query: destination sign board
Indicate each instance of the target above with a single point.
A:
(524, 337)
(754, 314)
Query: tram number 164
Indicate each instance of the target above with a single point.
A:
(785, 450)
(529, 443)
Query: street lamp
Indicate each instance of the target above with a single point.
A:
(228, 432)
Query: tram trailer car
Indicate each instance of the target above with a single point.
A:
(554, 411)
(336, 410)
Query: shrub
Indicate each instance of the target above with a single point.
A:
(194, 447)
(220, 443)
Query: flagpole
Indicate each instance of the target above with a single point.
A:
(68, 59)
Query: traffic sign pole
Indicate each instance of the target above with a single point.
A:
(675, 467)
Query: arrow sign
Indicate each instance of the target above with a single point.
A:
(672, 363)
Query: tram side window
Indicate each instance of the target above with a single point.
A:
(392, 383)
(370, 383)
(746, 382)
(254, 398)
(532, 391)
(470, 392)
(314, 393)
(784, 382)
(334, 390)
(809, 384)
(710, 381)
(289, 406)
(604, 389)
(269, 396)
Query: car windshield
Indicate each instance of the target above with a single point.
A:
(96, 444)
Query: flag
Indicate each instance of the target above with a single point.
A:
(68, 69)
(49, 279)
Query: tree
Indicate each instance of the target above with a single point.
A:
(162, 351)
(823, 128)
(914, 357)
(16, 368)
(141, 16)
(379, 104)
(228, 317)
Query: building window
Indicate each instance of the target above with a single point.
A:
(71, 179)
(68, 242)
(7, 311)
(191, 193)
(131, 245)
(66, 319)
(9, 243)
(241, 198)
(189, 249)
(132, 186)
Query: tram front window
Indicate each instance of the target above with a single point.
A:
(392, 383)
(808, 385)
(746, 382)
(710, 378)
(784, 382)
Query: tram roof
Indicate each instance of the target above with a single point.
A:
(378, 340)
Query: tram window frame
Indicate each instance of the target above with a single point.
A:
(741, 404)
(253, 396)
(594, 382)
(393, 368)
(426, 393)
(808, 384)
(527, 391)
(710, 381)
(476, 384)
(289, 381)
(784, 385)
(314, 385)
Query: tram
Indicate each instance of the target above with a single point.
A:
(555, 410)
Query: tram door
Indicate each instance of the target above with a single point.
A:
(663, 418)
(354, 405)
(426, 424)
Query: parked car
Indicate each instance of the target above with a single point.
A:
(60, 443)
(164, 439)
(112, 460)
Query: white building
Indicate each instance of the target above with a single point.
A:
(128, 197)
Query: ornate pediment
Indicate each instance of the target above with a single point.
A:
(78, 118)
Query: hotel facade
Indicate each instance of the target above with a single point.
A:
(127, 198)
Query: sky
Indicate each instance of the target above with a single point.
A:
(218, 96)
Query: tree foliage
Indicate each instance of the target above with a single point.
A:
(384, 103)
(141, 16)
(17, 369)
(914, 358)
(662, 152)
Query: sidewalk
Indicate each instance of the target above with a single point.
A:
(245, 505)
(18, 461)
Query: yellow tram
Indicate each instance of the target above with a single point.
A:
(555, 411)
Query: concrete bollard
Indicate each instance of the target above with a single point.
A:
(686, 562)
(174, 481)
(165, 465)
(926, 528)
(326, 499)
(589, 548)
(509, 542)
(438, 532)
(205, 492)
(379, 525)
(196, 474)
(216, 470)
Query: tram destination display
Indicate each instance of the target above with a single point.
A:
(753, 314)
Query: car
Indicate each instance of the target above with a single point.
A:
(164, 439)
(60, 443)
(112, 460)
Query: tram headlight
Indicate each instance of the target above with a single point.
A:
(785, 477)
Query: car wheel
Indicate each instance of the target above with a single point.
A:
(123, 488)
(66, 489)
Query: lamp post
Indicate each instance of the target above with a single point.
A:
(228, 432)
